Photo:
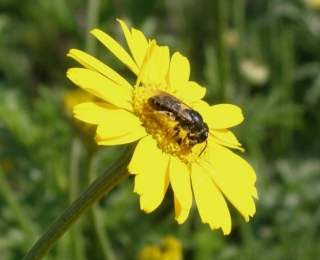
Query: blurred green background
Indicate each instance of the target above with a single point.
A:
(262, 55)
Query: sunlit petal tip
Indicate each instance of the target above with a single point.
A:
(225, 226)
(223, 116)
(224, 137)
(142, 207)
(136, 41)
(116, 49)
(71, 52)
(226, 231)
(148, 204)
(94, 64)
(212, 225)
(253, 192)
(97, 31)
(182, 216)
(125, 30)
(195, 91)
(179, 72)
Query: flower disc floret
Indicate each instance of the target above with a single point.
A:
(163, 128)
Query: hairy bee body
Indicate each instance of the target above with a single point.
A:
(188, 119)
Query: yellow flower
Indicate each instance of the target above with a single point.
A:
(169, 150)
(150, 253)
(82, 130)
(170, 249)
(315, 4)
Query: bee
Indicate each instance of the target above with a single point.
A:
(188, 119)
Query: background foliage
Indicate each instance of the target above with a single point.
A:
(261, 55)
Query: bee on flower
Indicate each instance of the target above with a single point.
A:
(182, 141)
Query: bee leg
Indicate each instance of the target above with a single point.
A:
(186, 140)
(168, 114)
(189, 142)
(177, 128)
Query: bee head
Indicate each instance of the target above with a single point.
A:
(204, 133)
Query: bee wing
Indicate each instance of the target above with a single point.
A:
(173, 104)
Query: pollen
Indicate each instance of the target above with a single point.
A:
(170, 137)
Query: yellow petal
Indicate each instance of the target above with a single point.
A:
(142, 164)
(226, 138)
(142, 76)
(211, 204)
(200, 106)
(223, 116)
(191, 92)
(239, 167)
(152, 179)
(101, 87)
(140, 155)
(96, 113)
(136, 165)
(181, 214)
(141, 46)
(116, 49)
(234, 177)
(118, 127)
(93, 64)
(179, 72)
(180, 182)
(133, 136)
(137, 43)
(158, 65)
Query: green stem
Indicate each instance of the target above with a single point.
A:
(239, 21)
(116, 173)
(221, 20)
(92, 21)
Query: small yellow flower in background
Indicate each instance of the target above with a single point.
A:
(150, 253)
(84, 131)
(177, 146)
(315, 4)
(170, 249)
(76, 96)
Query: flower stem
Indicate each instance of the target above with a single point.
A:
(116, 173)
(221, 20)
(92, 21)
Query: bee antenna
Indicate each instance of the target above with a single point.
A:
(203, 149)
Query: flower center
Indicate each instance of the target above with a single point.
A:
(157, 109)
